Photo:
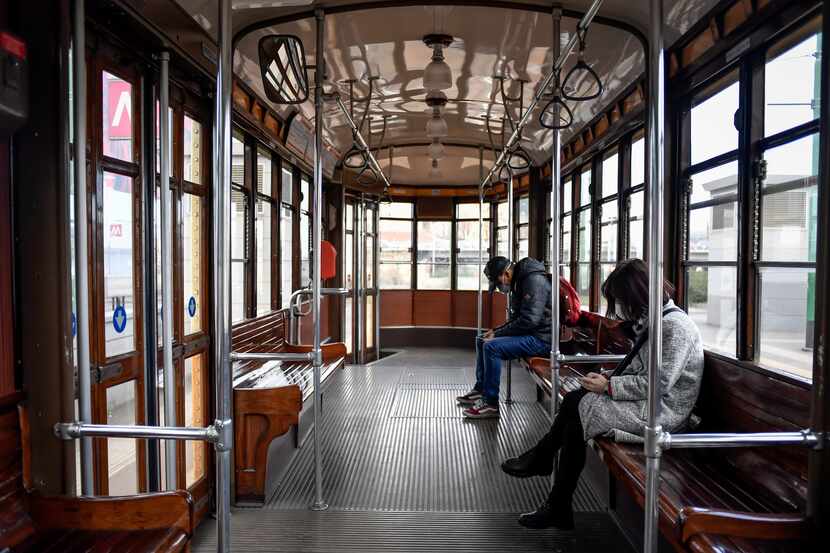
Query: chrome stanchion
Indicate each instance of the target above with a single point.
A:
(511, 255)
(221, 279)
(656, 103)
(556, 177)
(81, 240)
(167, 270)
(480, 240)
(316, 208)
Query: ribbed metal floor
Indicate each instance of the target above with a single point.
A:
(395, 440)
(353, 532)
(404, 471)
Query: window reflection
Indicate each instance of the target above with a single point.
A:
(117, 101)
(195, 416)
(122, 458)
(192, 251)
(119, 283)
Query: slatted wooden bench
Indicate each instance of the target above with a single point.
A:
(738, 500)
(269, 397)
(32, 523)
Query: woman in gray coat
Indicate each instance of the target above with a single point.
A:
(614, 403)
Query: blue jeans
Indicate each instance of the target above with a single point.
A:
(491, 353)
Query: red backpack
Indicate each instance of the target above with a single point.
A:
(569, 304)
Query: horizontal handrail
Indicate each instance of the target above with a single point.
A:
(75, 430)
(805, 438)
(588, 359)
(274, 356)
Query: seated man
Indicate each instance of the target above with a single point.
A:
(525, 334)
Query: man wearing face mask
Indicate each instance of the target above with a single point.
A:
(525, 334)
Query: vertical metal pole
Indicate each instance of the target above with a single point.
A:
(81, 241)
(360, 296)
(510, 254)
(376, 257)
(556, 178)
(167, 271)
(316, 208)
(656, 103)
(221, 277)
(480, 237)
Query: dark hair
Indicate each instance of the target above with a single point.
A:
(626, 289)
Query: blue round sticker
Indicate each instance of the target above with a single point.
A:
(191, 306)
(119, 319)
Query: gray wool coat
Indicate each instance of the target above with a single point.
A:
(624, 409)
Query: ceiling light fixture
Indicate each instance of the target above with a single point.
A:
(436, 149)
(437, 75)
(436, 126)
(435, 171)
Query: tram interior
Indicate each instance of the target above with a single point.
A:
(340, 174)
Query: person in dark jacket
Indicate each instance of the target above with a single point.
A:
(525, 334)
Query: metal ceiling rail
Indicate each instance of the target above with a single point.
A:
(373, 162)
(581, 27)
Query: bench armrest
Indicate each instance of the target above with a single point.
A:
(135, 512)
(767, 526)
(331, 352)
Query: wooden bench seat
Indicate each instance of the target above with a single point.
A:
(737, 500)
(31, 523)
(268, 398)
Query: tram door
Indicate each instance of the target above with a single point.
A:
(360, 277)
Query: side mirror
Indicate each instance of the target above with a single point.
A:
(284, 75)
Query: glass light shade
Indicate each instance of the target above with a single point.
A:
(435, 171)
(437, 127)
(437, 75)
(436, 150)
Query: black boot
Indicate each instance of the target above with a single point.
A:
(560, 516)
(526, 465)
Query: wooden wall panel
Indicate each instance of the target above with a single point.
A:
(464, 308)
(499, 313)
(396, 308)
(433, 308)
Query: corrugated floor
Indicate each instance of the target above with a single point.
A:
(400, 457)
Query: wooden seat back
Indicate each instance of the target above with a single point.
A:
(15, 523)
(736, 398)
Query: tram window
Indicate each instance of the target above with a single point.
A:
(117, 102)
(239, 218)
(348, 278)
(636, 221)
(160, 400)
(608, 239)
(712, 122)
(264, 248)
(122, 460)
(792, 83)
(501, 230)
(370, 322)
(713, 215)
(789, 234)
(610, 174)
(433, 258)
(567, 196)
(195, 415)
(370, 248)
(638, 161)
(566, 242)
(466, 247)
(193, 248)
(395, 235)
(712, 305)
(397, 210)
(286, 255)
(584, 258)
(305, 232)
(286, 235)
(263, 172)
(585, 186)
(192, 151)
(119, 280)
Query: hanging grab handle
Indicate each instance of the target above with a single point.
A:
(573, 76)
(566, 116)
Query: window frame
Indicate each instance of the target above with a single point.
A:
(486, 222)
(412, 253)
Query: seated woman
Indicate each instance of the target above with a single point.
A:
(615, 401)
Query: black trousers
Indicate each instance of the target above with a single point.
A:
(567, 438)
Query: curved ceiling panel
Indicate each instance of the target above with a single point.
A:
(384, 46)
